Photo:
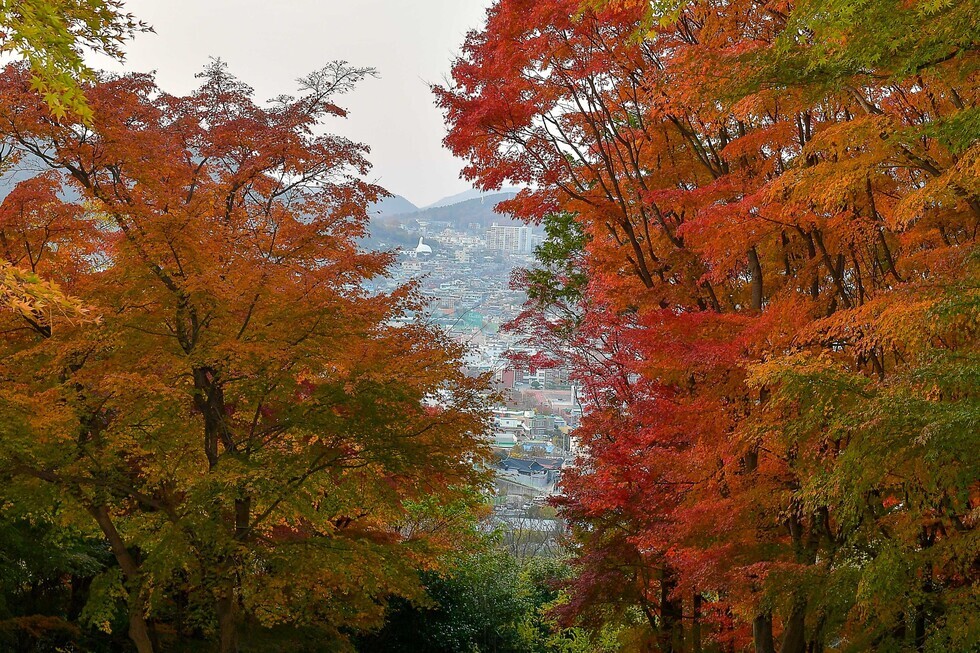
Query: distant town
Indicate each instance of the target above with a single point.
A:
(463, 256)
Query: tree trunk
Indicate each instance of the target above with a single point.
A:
(226, 605)
(920, 629)
(762, 634)
(671, 615)
(755, 269)
(696, 623)
(794, 635)
(651, 618)
(138, 631)
(816, 644)
(227, 620)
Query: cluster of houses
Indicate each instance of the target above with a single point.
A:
(530, 450)
(539, 471)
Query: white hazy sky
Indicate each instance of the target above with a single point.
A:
(269, 44)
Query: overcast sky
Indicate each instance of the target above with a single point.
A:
(269, 44)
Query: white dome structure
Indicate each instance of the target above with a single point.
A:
(422, 248)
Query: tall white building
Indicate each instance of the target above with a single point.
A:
(513, 239)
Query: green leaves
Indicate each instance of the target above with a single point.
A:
(560, 281)
(892, 38)
(52, 35)
(107, 595)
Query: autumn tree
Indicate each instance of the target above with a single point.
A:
(52, 36)
(244, 423)
(779, 204)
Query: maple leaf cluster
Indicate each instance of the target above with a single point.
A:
(762, 268)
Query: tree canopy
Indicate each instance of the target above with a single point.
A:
(777, 340)
(231, 420)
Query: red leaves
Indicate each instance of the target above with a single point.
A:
(41, 233)
(757, 241)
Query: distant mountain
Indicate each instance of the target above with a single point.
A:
(471, 194)
(462, 215)
(389, 206)
(475, 216)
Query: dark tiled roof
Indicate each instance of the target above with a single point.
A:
(549, 463)
(521, 465)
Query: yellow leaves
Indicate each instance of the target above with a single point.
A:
(931, 197)
(896, 322)
(770, 371)
(967, 169)
(37, 300)
(944, 195)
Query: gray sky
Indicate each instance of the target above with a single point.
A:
(270, 44)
